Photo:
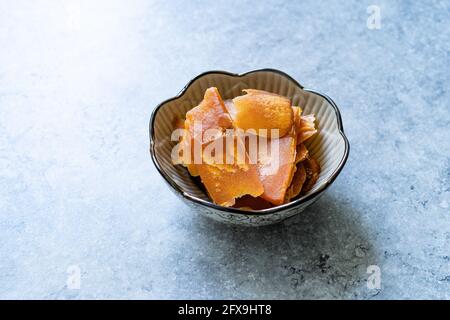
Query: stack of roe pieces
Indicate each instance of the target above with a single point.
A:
(267, 181)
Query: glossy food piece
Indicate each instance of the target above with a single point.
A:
(178, 123)
(209, 114)
(252, 203)
(302, 153)
(312, 169)
(297, 113)
(303, 125)
(306, 128)
(263, 110)
(229, 105)
(277, 168)
(297, 182)
(227, 181)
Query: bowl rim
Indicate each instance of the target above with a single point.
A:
(261, 212)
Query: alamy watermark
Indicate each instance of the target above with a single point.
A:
(374, 19)
(230, 146)
(73, 281)
(374, 279)
(73, 14)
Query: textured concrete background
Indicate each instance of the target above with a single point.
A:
(78, 191)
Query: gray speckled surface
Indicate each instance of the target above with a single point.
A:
(79, 79)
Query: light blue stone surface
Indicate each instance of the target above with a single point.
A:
(78, 191)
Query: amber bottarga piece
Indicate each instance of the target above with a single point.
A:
(304, 125)
(297, 111)
(227, 172)
(306, 128)
(203, 124)
(210, 114)
(178, 123)
(312, 169)
(276, 167)
(263, 110)
(229, 105)
(297, 182)
(251, 203)
(302, 153)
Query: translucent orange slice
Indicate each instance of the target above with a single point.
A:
(297, 183)
(301, 153)
(312, 169)
(306, 128)
(263, 110)
(277, 168)
(209, 114)
(227, 181)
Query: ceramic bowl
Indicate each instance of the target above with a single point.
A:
(329, 146)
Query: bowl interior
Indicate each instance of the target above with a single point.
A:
(328, 146)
